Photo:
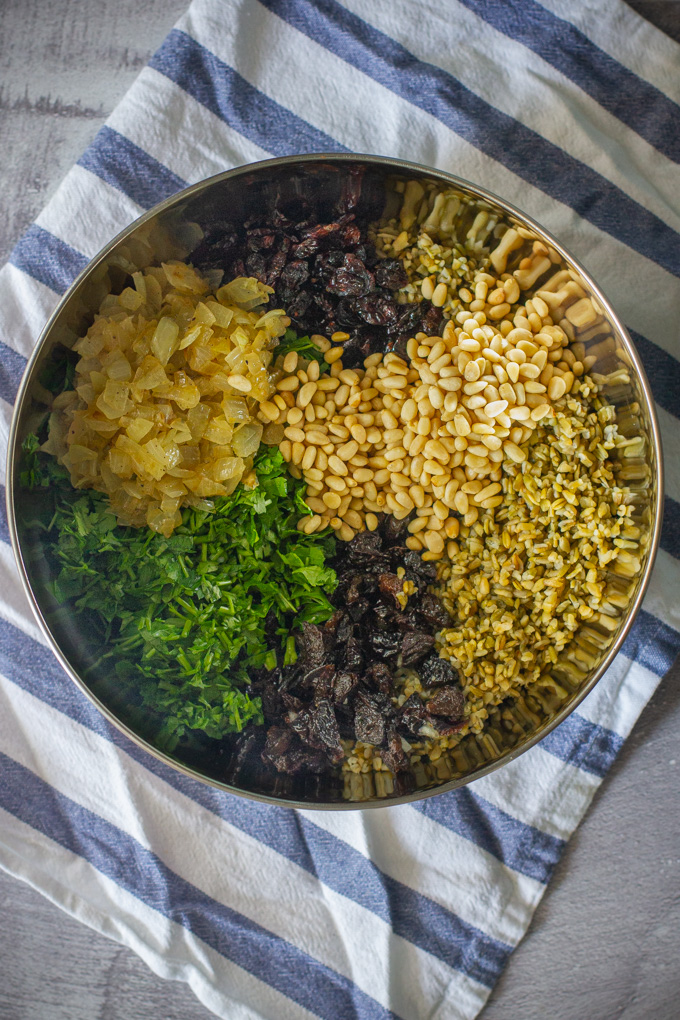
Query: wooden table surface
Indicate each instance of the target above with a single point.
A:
(605, 942)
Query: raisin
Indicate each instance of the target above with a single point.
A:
(376, 309)
(369, 724)
(379, 675)
(323, 730)
(384, 644)
(448, 701)
(358, 608)
(393, 754)
(413, 715)
(390, 587)
(434, 612)
(344, 685)
(416, 567)
(294, 275)
(414, 646)
(365, 546)
(310, 645)
(395, 531)
(320, 680)
(435, 671)
(351, 278)
(445, 727)
(353, 657)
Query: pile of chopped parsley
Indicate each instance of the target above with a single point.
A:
(179, 622)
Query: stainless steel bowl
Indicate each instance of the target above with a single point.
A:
(171, 230)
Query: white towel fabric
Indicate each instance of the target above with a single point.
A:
(410, 911)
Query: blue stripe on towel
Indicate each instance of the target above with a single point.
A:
(121, 163)
(663, 372)
(413, 916)
(670, 530)
(142, 873)
(636, 103)
(523, 151)
(652, 643)
(12, 367)
(229, 96)
(520, 846)
(47, 259)
(4, 525)
(584, 744)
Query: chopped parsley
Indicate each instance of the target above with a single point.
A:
(306, 347)
(179, 622)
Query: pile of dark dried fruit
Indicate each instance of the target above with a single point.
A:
(343, 686)
(327, 276)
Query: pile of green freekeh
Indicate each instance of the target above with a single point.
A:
(180, 622)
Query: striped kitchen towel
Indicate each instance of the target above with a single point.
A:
(571, 112)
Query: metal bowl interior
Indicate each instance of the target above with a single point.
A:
(172, 230)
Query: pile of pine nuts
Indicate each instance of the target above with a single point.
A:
(428, 434)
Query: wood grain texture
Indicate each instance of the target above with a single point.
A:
(605, 941)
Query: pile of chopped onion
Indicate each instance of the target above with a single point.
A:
(167, 390)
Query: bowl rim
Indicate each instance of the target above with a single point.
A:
(402, 166)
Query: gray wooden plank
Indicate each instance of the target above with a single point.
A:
(54, 968)
(605, 940)
(64, 64)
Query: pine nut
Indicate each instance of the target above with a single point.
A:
(308, 458)
(305, 394)
(239, 382)
(394, 382)
(556, 388)
(540, 412)
(290, 362)
(337, 466)
(460, 502)
(434, 542)
(352, 518)
(514, 452)
(427, 288)
(269, 409)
